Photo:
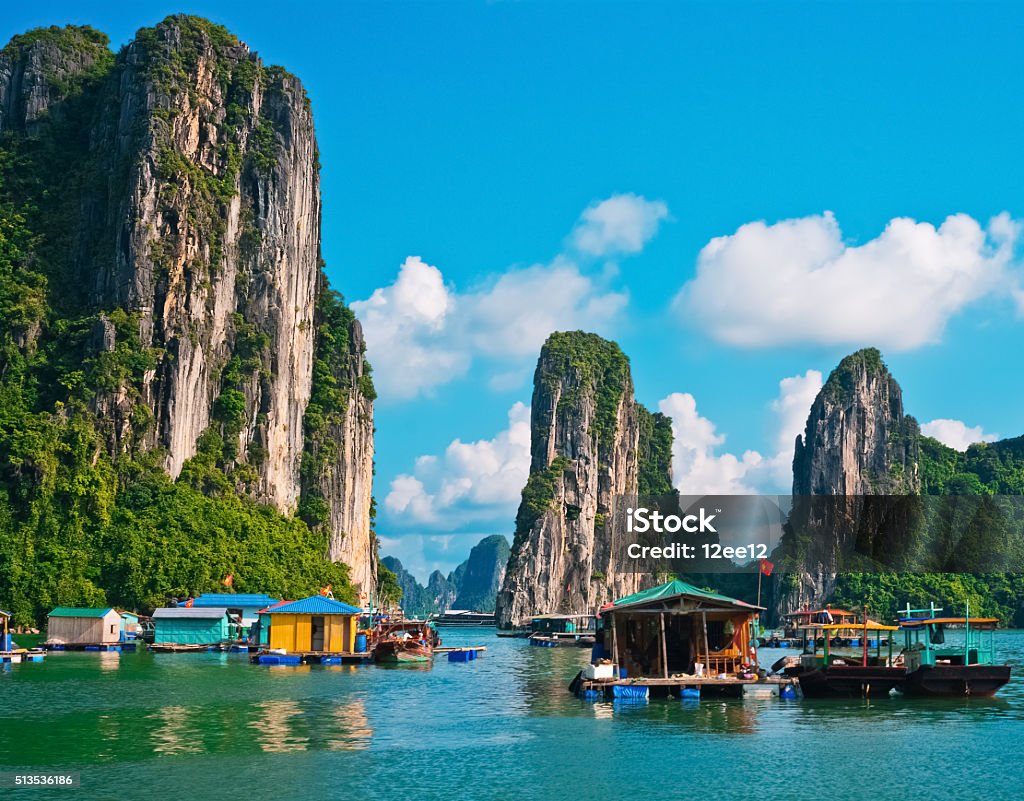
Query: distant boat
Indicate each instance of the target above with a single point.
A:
(464, 617)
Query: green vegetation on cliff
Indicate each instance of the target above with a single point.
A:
(86, 517)
(602, 369)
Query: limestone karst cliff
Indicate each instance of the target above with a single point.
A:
(174, 194)
(857, 443)
(590, 443)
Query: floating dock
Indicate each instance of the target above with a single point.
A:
(312, 658)
(16, 657)
(684, 687)
(99, 646)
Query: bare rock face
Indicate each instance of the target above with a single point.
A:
(198, 246)
(857, 443)
(585, 451)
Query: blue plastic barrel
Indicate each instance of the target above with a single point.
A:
(360, 643)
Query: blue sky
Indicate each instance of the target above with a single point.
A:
(476, 136)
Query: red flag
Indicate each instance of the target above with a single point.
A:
(326, 591)
(229, 579)
(767, 567)
(188, 603)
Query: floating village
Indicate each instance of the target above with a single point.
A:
(674, 640)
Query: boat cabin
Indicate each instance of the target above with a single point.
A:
(67, 625)
(827, 615)
(868, 634)
(313, 625)
(184, 625)
(676, 628)
(924, 632)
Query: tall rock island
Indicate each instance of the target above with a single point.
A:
(173, 196)
(857, 443)
(591, 442)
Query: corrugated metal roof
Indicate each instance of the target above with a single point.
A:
(72, 611)
(256, 600)
(316, 605)
(186, 612)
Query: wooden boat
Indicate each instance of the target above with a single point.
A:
(405, 641)
(939, 671)
(832, 675)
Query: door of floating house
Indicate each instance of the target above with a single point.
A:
(67, 625)
(316, 624)
(180, 625)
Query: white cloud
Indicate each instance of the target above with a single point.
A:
(699, 469)
(422, 333)
(404, 325)
(798, 281)
(619, 224)
(956, 434)
(471, 481)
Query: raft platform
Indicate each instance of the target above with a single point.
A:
(100, 646)
(312, 658)
(684, 687)
(17, 657)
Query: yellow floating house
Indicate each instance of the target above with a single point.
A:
(313, 625)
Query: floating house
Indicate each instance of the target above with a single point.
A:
(189, 628)
(313, 625)
(129, 626)
(678, 629)
(240, 606)
(71, 626)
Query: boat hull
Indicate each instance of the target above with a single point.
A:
(848, 681)
(956, 681)
(401, 653)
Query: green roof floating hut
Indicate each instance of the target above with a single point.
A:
(182, 625)
(67, 625)
(672, 628)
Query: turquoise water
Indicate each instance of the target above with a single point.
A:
(154, 726)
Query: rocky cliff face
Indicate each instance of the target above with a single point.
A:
(482, 574)
(585, 451)
(857, 443)
(193, 235)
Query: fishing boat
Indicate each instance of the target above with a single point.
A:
(840, 675)
(935, 669)
(405, 641)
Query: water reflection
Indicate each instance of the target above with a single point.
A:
(109, 660)
(176, 733)
(351, 729)
(277, 726)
